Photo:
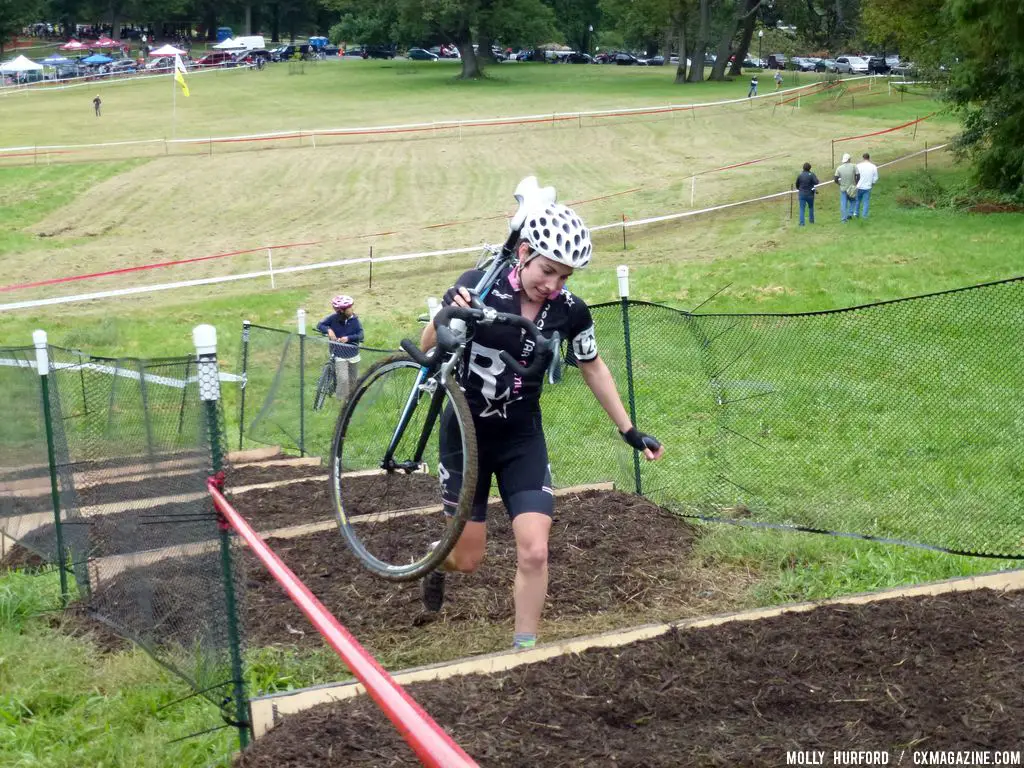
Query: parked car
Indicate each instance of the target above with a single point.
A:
(419, 54)
(160, 64)
(578, 57)
(877, 65)
(905, 68)
(803, 63)
(626, 59)
(825, 65)
(775, 61)
(852, 65)
(656, 61)
(380, 51)
(215, 59)
(122, 66)
(354, 52)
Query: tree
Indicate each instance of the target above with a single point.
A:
(737, 12)
(987, 89)
(14, 16)
(919, 29)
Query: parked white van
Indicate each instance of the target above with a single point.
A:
(242, 43)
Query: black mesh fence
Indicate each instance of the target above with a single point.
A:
(287, 401)
(898, 421)
(132, 454)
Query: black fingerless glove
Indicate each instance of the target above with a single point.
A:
(640, 441)
(449, 295)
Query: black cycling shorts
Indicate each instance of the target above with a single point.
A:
(517, 456)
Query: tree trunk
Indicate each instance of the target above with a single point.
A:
(275, 22)
(248, 18)
(722, 53)
(681, 67)
(748, 34)
(483, 45)
(701, 44)
(471, 65)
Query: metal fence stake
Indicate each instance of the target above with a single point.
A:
(205, 339)
(43, 369)
(302, 381)
(246, 324)
(622, 272)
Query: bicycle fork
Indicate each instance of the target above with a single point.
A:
(424, 382)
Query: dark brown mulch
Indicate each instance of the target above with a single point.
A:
(18, 558)
(312, 501)
(609, 552)
(183, 522)
(934, 673)
(257, 474)
(112, 491)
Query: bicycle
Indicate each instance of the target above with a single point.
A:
(326, 385)
(387, 438)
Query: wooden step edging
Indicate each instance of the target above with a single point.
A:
(112, 565)
(267, 711)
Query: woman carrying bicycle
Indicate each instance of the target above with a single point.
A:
(506, 406)
(345, 331)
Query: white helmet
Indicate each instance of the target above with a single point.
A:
(557, 232)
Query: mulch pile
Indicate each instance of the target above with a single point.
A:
(934, 673)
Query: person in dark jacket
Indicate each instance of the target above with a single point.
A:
(345, 331)
(805, 184)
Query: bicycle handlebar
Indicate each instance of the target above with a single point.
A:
(448, 340)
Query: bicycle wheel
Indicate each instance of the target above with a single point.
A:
(390, 511)
(325, 385)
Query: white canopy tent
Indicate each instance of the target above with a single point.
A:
(229, 45)
(167, 50)
(20, 64)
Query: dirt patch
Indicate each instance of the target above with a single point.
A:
(995, 208)
(934, 673)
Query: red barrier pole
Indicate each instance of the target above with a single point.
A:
(432, 745)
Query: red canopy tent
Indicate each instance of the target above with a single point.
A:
(74, 45)
(106, 42)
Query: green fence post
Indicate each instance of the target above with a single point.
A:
(43, 369)
(302, 382)
(205, 339)
(246, 327)
(622, 271)
(147, 422)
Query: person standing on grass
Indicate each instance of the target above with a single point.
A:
(868, 178)
(847, 177)
(506, 408)
(345, 331)
(805, 184)
(753, 87)
(96, 104)
(778, 80)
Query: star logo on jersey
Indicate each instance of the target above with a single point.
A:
(497, 405)
(501, 295)
(569, 298)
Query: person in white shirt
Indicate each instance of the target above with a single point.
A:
(868, 172)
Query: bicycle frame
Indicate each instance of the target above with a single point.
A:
(482, 288)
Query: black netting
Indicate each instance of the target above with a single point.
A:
(898, 421)
(282, 373)
(132, 450)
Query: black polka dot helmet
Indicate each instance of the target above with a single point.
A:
(557, 232)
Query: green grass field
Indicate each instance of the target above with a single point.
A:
(117, 211)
